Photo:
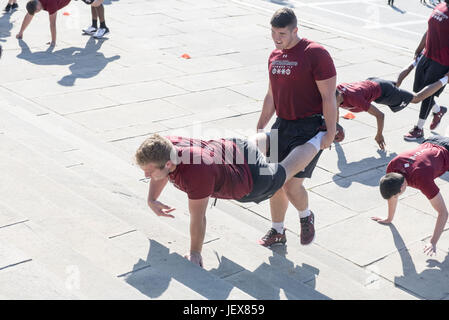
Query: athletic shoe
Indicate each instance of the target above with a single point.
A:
(307, 229)
(14, 7)
(437, 118)
(90, 31)
(7, 8)
(273, 237)
(101, 32)
(414, 134)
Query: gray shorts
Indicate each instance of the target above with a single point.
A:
(267, 177)
(395, 98)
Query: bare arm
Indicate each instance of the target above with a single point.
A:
(380, 117)
(197, 210)
(422, 45)
(404, 73)
(428, 91)
(267, 109)
(439, 205)
(327, 90)
(26, 22)
(154, 192)
(392, 204)
(53, 28)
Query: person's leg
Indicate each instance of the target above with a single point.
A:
(94, 27)
(103, 30)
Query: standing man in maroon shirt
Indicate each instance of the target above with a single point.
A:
(433, 65)
(224, 168)
(302, 80)
(418, 168)
(358, 97)
(52, 7)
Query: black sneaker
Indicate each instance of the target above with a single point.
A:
(273, 237)
(14, 7)
(7, 8)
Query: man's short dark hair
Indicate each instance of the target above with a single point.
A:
(390, 184)
(32, 7)
(284, 17)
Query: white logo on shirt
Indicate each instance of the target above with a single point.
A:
(438, 15)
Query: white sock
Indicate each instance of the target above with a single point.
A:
(421, 123)
(278, 226)
(435, 108)
(304, 214)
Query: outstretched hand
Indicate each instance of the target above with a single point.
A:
(380, 141)
(430, 249)
(380, 220)
(195, 258)
(161, 209)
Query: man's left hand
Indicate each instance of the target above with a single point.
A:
(430, 249)
(327, 140)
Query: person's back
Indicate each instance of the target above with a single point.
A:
(437, 41)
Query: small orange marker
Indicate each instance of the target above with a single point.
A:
(349, 116)
(185, 56)
(66, 14)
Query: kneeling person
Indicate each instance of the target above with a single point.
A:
(224, 168)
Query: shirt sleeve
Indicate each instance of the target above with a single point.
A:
(199, 181)
(323, 67)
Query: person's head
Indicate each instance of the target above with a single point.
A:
(33, 6)
(154, 156)
(392, 184)
(284, 28)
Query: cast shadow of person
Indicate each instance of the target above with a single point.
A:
(398, 10)
(153, 276)
(432, 280)
(5, 26)
(347, 174)
(84, 63)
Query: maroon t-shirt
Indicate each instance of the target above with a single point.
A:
(359, 95)
(437, 40)
(53, 5)
(421, 166)
(213, 168)
(293, 73)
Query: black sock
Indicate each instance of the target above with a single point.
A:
(94, 23)
(103, 24)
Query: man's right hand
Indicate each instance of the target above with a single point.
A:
(160, 209)
(19, 35)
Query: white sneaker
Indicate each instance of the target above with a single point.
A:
(101, 32)
(91, 30)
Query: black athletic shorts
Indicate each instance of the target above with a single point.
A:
(293, 133)
(395, 98)
(268, 178)
(438, 140)
(428, 72)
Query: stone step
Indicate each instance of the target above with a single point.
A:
(77, 231)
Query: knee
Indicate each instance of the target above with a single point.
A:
(292, 190)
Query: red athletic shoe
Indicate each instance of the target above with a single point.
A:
(273, 237)
(437, 118)
(307, 229)
(414, 134)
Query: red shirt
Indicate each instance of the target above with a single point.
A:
(421, 166)
(213, 168)
(437, 40)
(53, 5)
(359, 95)
(293, 73)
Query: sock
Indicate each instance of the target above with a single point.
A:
(304, 214)
(421, 123)
(435, 108)
(278, 226)
(94, 23)
(103, 25)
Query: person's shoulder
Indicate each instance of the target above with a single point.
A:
(310, 45)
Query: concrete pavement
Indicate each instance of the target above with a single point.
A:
(73, 219)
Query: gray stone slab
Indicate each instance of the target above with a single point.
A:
(413, 270)
(254, 90)
(369, 241)
(128, 115)
(361, 71)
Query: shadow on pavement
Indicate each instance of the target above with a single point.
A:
(164, 267)
(83, 63)
(347, 176)
(434, 278)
